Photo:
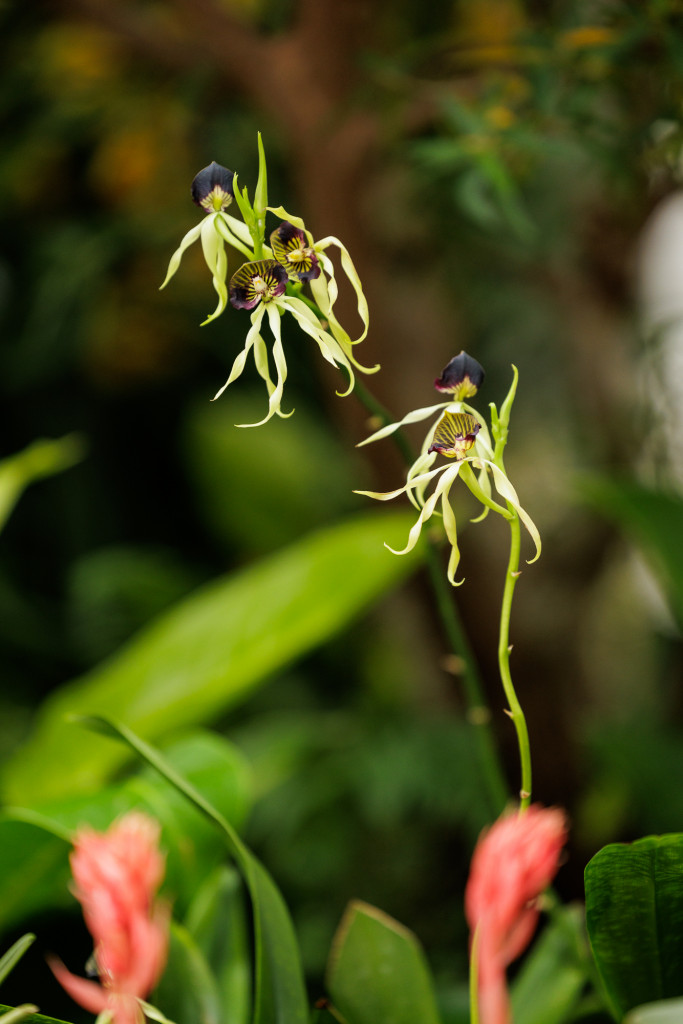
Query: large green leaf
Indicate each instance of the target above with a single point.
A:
(634, 913)
(279, 992)
(653, 519)
(34, 871)
(378, 972)
(210, 651)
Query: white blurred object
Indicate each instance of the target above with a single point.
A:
(660, 287)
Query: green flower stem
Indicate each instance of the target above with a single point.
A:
(477, 710)
(515, 710)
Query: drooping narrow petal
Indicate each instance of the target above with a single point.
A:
(507, 491)
(280, 365)
(213, 247)
(412, 417)
(329, 348)
(354, 279)
(443, 486)
(419, 469)
(191, 236)
(450, 526)
(241, 358)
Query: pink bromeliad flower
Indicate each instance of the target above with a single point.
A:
(513, 862)
(116, 876)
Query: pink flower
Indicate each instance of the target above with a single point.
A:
(116, 875)
(514, 861)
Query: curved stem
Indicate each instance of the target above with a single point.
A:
(515, 711)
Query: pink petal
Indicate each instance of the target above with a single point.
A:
(88, 994)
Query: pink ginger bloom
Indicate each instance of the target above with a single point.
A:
(116, 876)
(514, 861)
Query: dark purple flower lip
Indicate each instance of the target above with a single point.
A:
(455, 434)
(212, 188)
(291, 249)
(262, 280)
(462, 377)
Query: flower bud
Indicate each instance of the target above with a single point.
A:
(212, 188)
(462, 377)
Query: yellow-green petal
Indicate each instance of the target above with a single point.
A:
(191, 236)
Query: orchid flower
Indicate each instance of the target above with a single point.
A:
(323, 285)
(270, 283)
(213, 191)
(116, 876)
(513, 862)
(260, 286)
(460, 434)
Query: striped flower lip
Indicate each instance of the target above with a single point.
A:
(462, 377)
(212, 188)
(263, 281)
(455, 434)
(290, 248)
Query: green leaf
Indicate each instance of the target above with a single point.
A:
(187, 992)
(210, 651)
(634, 913)
(668, 1011)
(378, 972)
(14, 955)
(216, 921)
(279, 996)
(652, 519)
(40, 459)
(550, 982)
(34, 844)
(26, 1013)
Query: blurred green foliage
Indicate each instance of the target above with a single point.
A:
(491, 164)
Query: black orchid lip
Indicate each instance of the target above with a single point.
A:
(212, 188)
(461, 377)
(455, 434)
(260, 281)
(291, 249)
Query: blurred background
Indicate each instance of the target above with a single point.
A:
(506, 175)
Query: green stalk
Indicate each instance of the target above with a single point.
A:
(515, 710)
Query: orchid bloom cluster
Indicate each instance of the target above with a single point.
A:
(270, 283)
(513, 862)
(459, 433)
(116, 877)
